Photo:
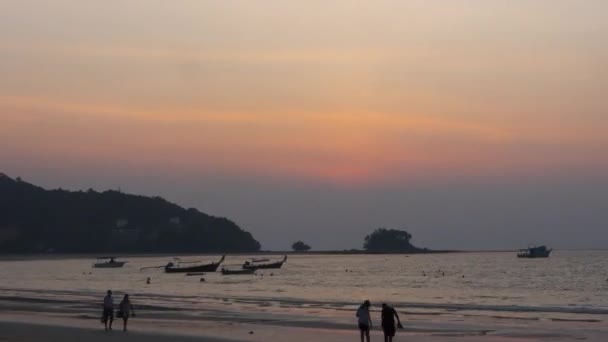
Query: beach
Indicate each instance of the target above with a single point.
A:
(474, 297)
(18, 326)
(24, 320)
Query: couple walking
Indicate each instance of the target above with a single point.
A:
(125, 310)
(388, 321)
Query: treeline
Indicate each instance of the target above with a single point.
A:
(380, 241)
(384, 240)
(33, 219)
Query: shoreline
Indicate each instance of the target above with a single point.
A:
(219, 323)
(414, 308)
(63, 256)
(19, 326)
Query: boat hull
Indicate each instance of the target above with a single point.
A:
(116, 264)
(194, 269)
(534, 255)
(274, 265)
(534, 252)
(264, 267)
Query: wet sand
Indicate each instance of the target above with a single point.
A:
(73, 315)
(27, 332)
(154, 331)
(27, 326)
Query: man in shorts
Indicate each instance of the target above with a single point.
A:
(365, 320)
(388, 322)
(108, 310)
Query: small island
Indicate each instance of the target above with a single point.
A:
(384, 240)
(300, 246)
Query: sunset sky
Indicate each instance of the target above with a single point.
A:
(470, 123)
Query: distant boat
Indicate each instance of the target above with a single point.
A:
(212, 267)
(227, 271)
(256, 266)
(109, 263)
(534, 252)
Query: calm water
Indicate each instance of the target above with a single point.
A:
(568, 281)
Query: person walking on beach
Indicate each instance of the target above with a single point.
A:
(365, 320)
(388, 322)
(125, 311)
(108, 310)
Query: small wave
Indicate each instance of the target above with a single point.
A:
(576, 320)
(516, 318)
(176, 302)
(443, 306)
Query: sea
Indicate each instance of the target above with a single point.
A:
(569, 285)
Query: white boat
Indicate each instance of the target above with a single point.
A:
(109, 262)
(534, 252)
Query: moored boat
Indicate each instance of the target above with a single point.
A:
(212, 267)
(257, 266)
(534, 252)
(109, 263)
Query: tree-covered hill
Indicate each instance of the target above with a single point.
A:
(384, 240)
(33, 219)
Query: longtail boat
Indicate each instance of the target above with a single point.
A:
(110, 263)
(256, 266)
(212, 267)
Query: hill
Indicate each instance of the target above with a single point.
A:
(33, 219)
(384, 240)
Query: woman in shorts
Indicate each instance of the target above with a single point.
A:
(365, 320)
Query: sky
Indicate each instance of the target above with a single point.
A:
(473, 124)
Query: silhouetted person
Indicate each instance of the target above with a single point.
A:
(126, 310)
(148, 281)
(108, 311)
(388, 322)
(365, 320)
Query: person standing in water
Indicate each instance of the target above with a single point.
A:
(108, 310)
(388, 322)
(365, 320)
(126, 310)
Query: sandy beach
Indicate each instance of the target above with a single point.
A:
(18, 330)
(25, 326)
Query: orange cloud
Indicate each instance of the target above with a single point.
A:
(344, 148)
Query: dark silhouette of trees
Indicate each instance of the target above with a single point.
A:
(33, 219)
(300, 246)
(384, 240)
